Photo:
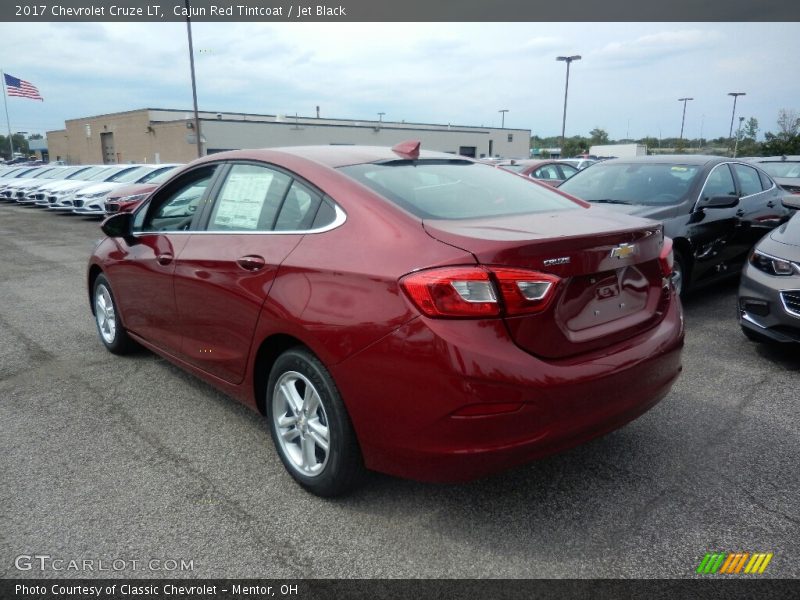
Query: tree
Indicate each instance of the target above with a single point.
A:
(598, 136)
(787, 140)
(20, 145)
(788, 124)
(574, 145)
(751, 128)
(748, 146)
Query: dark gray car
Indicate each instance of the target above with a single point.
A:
(715, 209)
(769, 292)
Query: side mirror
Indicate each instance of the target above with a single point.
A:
(792, 201)
(118, 225)
(719, 202)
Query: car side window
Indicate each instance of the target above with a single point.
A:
(766, 182)
(325, 215)
(175, 207)
(749, 180)
(547, 172)
(299, 208)
(567, 171)
(719, 183)
(249, 199)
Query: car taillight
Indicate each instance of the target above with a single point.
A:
(666, 259)
(475, 292)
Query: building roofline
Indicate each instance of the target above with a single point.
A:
(288, 119)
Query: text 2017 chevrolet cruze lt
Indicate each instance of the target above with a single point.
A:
(414, 313)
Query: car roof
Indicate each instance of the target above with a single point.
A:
(672, 159)
(786, 158)
(331, 156)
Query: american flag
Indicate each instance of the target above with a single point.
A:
(21, 88)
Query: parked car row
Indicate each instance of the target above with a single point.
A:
(78, 189)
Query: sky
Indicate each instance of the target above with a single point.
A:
(628, 81)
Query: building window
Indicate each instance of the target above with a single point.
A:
(510, 137)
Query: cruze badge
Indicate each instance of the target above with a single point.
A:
(623, 251)
(564, 260)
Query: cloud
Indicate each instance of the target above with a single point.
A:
(655, 47)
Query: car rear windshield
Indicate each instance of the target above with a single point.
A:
(632, 183)
(781, 169)
(456, 189)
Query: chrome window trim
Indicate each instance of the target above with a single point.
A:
(703, 187)
(338, 221)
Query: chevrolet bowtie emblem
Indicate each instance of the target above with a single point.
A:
(623, 251)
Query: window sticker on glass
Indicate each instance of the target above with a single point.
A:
(242, 198)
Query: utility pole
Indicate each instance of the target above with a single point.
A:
(568, 60)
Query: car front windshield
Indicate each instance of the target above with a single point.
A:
(129, 175)
(101, 174)
(781, 169)
(650, 184)
(456, 189)
(161, 176)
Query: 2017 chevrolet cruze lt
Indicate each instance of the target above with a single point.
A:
(414, 313)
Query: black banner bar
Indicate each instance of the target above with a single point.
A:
(729, 588)
(278, 11)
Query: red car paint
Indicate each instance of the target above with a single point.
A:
(138, 191)
(442, 399)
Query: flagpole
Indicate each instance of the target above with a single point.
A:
(8, 122)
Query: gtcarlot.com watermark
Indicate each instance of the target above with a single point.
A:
(45, 562)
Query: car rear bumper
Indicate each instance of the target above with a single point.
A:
(406, 412)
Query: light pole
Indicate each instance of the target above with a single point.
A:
(733, 113)
(503, 112)
(683, 118)
(738, 132)
(568, 60)
(380, 117)
(194, 83)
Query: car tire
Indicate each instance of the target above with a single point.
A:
(679, 274)
(310, 425)
(107, 319)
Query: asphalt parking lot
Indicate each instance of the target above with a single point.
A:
(131, 459)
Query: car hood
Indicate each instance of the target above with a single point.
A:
(98, 188)
(788, 233)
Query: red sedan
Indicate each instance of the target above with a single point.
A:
(414, 313)
(551, 172)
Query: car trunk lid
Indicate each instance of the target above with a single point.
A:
(612, 283)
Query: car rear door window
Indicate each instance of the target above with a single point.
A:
(567, 171)
(299, 208)
(249, 200)
(766, 182)
(749, 181)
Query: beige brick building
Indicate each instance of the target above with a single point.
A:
(151, 135)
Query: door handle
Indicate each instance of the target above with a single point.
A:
(740, 213)
(251, 262)
(164, 259)
(770, 204)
